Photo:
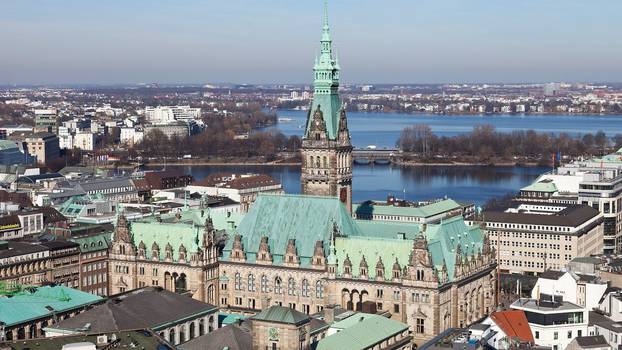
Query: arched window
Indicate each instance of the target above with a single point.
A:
(319, 289)
(291, 286)
(278, 285)
(238, 281)
(251, 282)
(264, 284)
(305, 288)
(324, 163)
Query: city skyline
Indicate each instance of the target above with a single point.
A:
(438, 42)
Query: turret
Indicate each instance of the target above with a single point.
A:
(155, 252)
(318, 260)
(182, 253)
(379, 269)
(363, 268)
(396, 271)
(141, 250)
(347, 267)
(291, 255)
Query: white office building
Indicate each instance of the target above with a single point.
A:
(169, 114)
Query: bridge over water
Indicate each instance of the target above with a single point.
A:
(375, 156)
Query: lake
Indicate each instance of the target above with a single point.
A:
(383, 129)
(463, 183)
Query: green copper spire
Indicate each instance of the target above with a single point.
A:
(326, 83)
(326, 27)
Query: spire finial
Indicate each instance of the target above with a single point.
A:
(325, 14)
(325, 27)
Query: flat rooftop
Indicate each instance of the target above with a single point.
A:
(535, 305)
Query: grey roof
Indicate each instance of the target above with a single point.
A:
(231, 337)
(67, 192)
(592, 341)
(106, 183)
(148, 307)
(21, 248)
(281, 314)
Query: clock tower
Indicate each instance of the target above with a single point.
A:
(326, 147)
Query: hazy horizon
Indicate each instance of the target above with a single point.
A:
(87, 42)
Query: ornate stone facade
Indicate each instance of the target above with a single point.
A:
(174, 252)
(424, 277)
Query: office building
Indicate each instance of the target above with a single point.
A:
(533, 237)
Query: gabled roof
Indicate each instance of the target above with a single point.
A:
(186, 229)
(93, 242)
(149, 307)
(514, 324)
(306, 219)
(444, 239)
(281, 314)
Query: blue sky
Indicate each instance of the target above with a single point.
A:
(265, 41)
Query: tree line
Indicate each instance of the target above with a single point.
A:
(235, 136)
(485, 143)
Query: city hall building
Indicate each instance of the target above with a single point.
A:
(307, 251)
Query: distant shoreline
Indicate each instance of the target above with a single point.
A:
(468, 114)
(291, 164)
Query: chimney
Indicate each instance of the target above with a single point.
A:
(265, 302)
(329, 313)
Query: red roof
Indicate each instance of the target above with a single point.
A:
(514, 324)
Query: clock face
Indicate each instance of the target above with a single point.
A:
(273, 334)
